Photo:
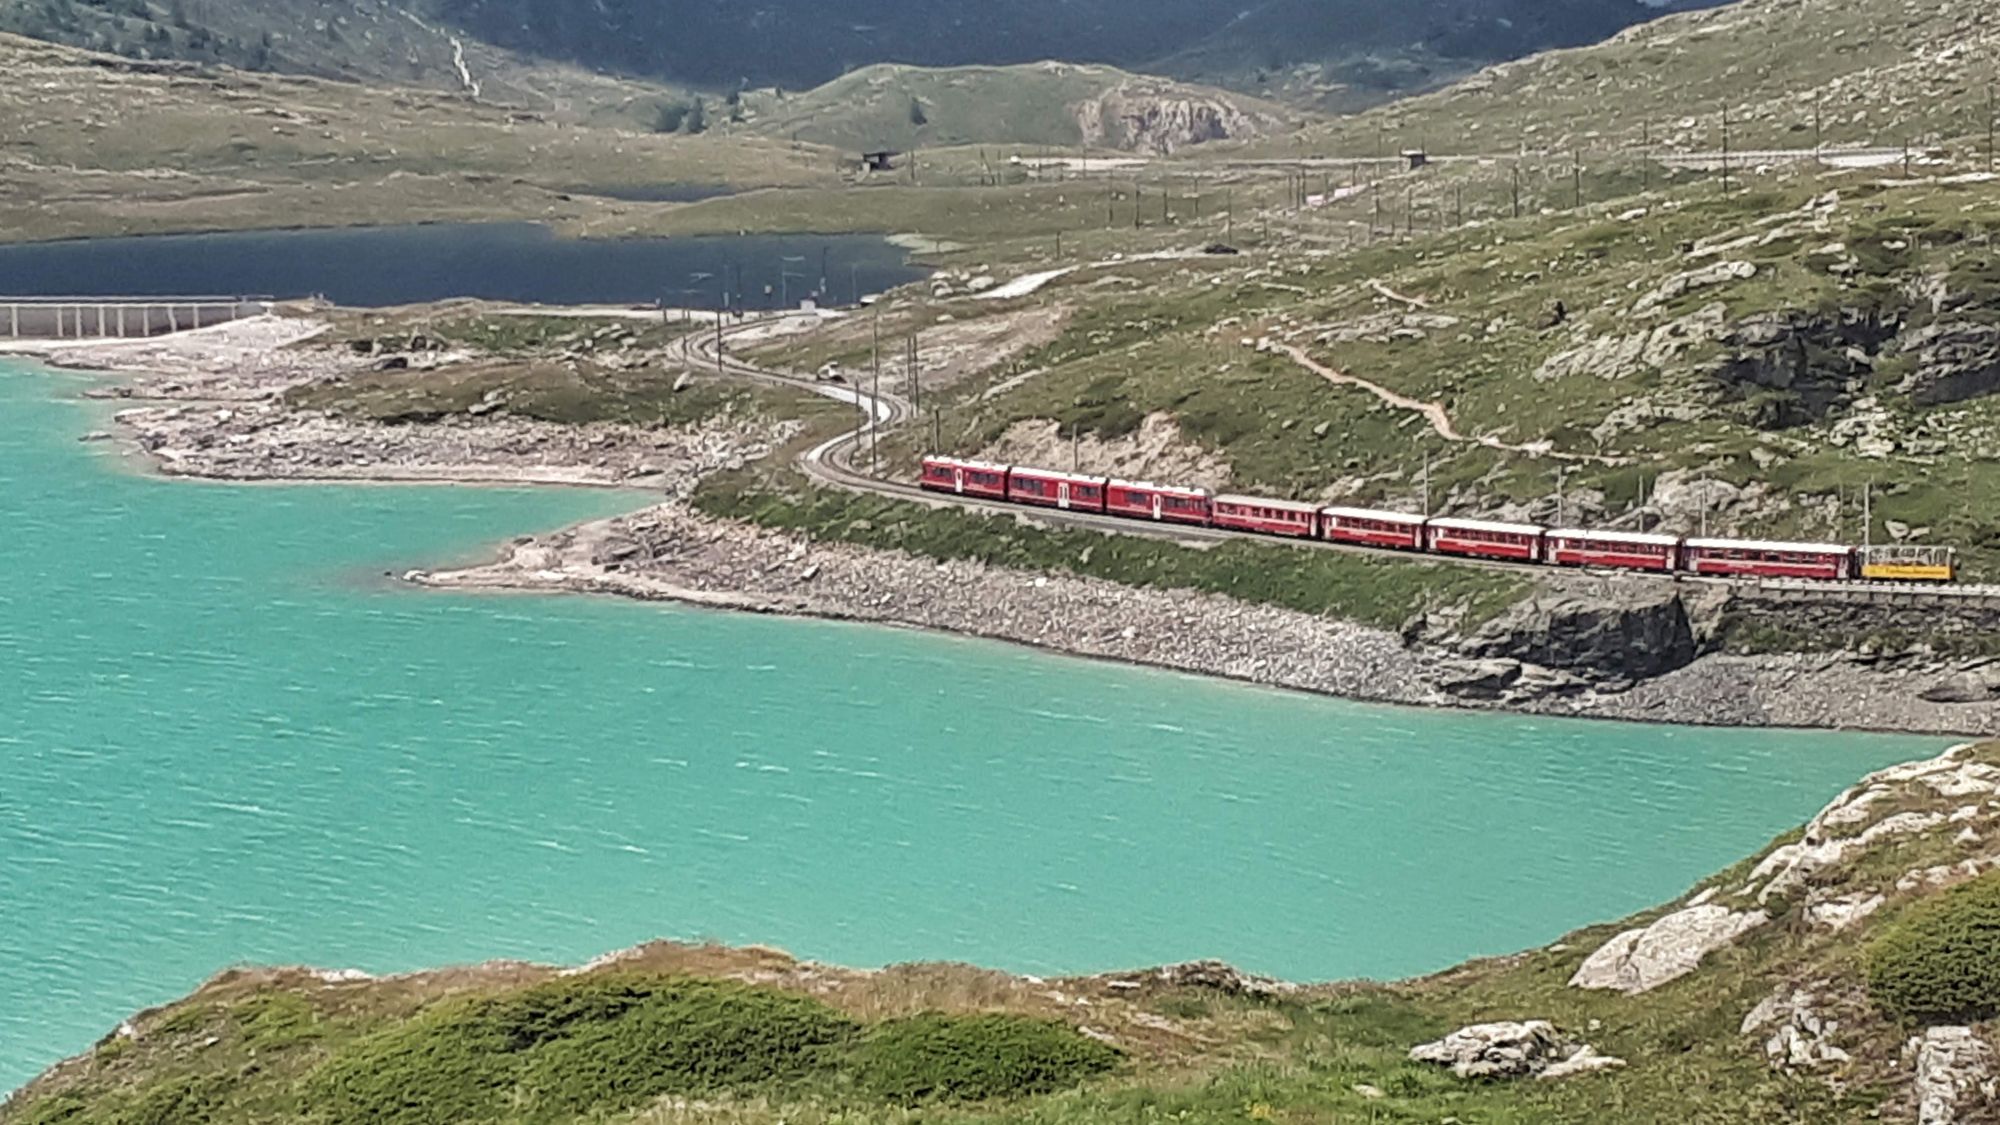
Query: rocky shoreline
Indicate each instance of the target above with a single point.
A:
(1586, 647)
(670, 552)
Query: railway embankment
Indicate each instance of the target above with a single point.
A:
(1599, 648)
(222, 404)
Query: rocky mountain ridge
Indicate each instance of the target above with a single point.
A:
(1367, 50)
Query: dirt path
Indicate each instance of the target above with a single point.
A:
(1433, 412)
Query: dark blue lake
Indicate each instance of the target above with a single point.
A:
(373, 266)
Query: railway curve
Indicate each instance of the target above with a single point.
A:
(832, 462)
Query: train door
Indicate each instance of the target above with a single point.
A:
(958, 480)
(1062, 495)
(1159, 505)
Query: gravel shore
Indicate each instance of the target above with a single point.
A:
(671, 552)
(213, 409)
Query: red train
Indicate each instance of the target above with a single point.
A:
(1481, 539)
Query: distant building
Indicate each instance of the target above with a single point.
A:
(1417, 158)
(884, 161)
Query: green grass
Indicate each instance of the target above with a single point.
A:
(1382, 592)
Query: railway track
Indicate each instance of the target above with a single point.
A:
(833, 462)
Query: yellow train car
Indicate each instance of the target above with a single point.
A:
(1908, 563)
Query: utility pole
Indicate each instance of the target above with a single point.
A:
(1645, 156)
(937, 431)
(1576, 167)
(1561, 514)
(1867, 516)
(1725, 150)
(1819, 131)
(1517, 189)
(1075, 447)
(868, 401)
(916, 377)
(1427, 482)
(1228, 213)
(1989, 126)
(1703, 501)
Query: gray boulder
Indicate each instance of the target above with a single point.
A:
(1643, 959)
(1613, 634)
(1962, 687)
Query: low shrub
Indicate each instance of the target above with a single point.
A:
(582, 1044)
(1940, 961)
(939, 1057)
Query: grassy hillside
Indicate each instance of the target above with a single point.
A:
(1882, 72)
(1044, 104)
(359, 40)
(1799, 977)
(191, 148)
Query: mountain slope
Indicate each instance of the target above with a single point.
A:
(373, 41)
(1051, 104)
(1359, 47)
(1785, 72)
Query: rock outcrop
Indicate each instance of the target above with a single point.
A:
(1798, 1034)
(1795, 369)
(1512, 1049)
(1681, 284)
(1217, 976)
(1860, 818)
(1611, 634)
(1955, 361)
(1955, 1076)
(1144, 116)
(1643, 959)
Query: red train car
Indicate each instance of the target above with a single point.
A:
(965, 478)
(1157, 502)
(1271, 517)
(1754, 558)
(1051, 489)
(1627, 550)
(1520, 542)
(1372, 528)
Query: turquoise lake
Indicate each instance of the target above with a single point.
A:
(224, 738)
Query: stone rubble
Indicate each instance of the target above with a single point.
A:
(1512, 1049)
(1955, 1077)
(1801, 1036)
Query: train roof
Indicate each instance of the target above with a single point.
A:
(1056, 474)
(1769, 545)
(1121, 482)
(1490, 525)
(1642, 538)
(1373, 514)
(967, 463)
(1267, 502)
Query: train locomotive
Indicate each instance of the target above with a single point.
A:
(1528, 544)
